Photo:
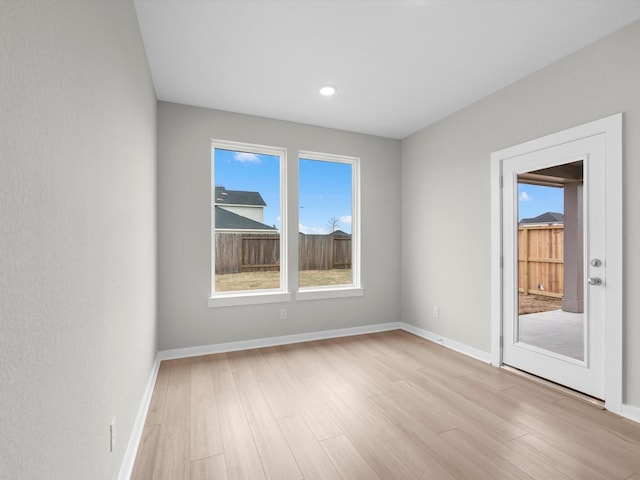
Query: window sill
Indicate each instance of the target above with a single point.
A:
(320, 293)
(248, 298)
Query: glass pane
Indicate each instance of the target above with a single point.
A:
(550, 260)
(325, 193)
(247, 221)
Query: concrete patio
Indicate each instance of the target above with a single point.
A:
(556, 331)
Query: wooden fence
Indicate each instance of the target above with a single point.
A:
(237, 252)
(541, 260)
(323, 252)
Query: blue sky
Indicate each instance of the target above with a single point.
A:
(253, 173)
(534, 200)
(325, 193)
(325, 187)
(326, 190)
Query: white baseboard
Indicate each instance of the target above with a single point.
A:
(452, 344)
(275, 341)
(630, 412)
(126, 469)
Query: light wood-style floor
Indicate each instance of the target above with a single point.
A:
(388, 406)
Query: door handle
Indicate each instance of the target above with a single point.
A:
(594, 281)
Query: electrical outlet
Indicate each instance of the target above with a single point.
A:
(436, 312)
(112, 434)
(283, 313)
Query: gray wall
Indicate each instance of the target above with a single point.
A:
(77, 236)
(184, 173)
(445, 255)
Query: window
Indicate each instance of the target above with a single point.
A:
(249, 253)
(248, 213)
(328, 240)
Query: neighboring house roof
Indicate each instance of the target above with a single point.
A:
(232, 221)
(238, 197)
(547, 217)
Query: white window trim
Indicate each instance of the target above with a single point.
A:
(252, 297)
(355, 289)
(331, 291)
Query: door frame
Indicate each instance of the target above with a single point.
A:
(611, 127)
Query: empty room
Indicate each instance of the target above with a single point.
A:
(276, 239)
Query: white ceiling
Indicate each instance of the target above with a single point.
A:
(398, 65)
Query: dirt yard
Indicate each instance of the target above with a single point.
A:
(537, 303)
(310, 278)
(261, 280)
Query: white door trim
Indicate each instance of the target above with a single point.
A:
(611, 127)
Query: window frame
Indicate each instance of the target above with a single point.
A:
(251, 297)
(355, 289)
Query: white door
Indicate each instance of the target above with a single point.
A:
(563, 346)
(599, 371)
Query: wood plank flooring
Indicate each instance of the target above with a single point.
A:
(382, 406)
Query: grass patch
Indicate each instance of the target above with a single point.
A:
(233, 282)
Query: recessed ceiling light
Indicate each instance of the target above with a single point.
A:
(327, 90)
